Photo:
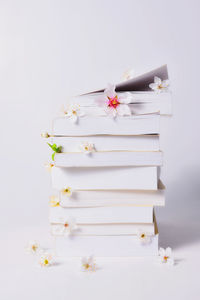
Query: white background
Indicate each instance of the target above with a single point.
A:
(53, 49)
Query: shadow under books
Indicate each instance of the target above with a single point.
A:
(179, 220)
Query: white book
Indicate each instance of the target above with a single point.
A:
(98, 198)
(95, 215)
(104, 246)
(105, 229)
(141, 103)
(144, 100)
(104, 125)
(108, 178)
(108, 143)
(106, 159)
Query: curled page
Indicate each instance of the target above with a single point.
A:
(140, 83)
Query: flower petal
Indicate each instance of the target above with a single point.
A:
(128, 74)
(125, 98)
(153, 86)
(161, 251)
(74, 118)
(165, 83)
(168, 251)
(110, 91)
(110, 111)
(123, 110)
(157, 80)
(101, 100)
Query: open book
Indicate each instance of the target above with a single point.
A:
(143, 99)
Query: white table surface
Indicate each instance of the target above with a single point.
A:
(136, 278)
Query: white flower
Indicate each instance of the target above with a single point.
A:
(87, 148)
(165, 256)
(33, 247)
(115, 105)
(45, 135)
(159, 85)
(88, 263)
(49, 166)
(67, 191)
(68, 226)
(45, 260)
(143, 237)
(128, 74)
(74, 112)
(54, 201)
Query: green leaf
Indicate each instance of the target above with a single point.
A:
(53, 156)
(50, 145)
(59, 149)
(54, 147)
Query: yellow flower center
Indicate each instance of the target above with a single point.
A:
(66, 224)
(34, 247)
(46, 262)
(86, 148)
(160, 87)
(67, 191)
(73, 112)
(143, 235)
(86, 266)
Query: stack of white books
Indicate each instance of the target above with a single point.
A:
(105, 169)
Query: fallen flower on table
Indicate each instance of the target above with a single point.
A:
(88, 264)
(166, 257)
(33, 247)
(46, 260)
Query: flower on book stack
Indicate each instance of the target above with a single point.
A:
(54, 201)
(73, 112)
(87, 148)
(113, 103)
(45, 135)
(49, 166)
(67, 226)
(143, 237)
(67, 191)
(159, 85)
